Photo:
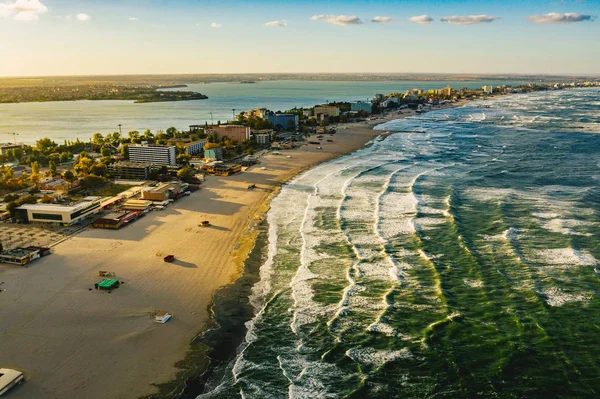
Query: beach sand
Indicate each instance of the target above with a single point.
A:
(73, 342)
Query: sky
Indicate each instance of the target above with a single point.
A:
(87, 37)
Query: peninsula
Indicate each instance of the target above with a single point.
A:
(93, 91)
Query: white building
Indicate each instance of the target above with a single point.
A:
(59, 214)
(195, 147)
(152, 153)
(488, 89)
(262, 138)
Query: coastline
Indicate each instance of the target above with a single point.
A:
(216, 345)
(82, 334)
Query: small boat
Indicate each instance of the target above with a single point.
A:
(169, 258)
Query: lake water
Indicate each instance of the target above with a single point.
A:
(81, 119)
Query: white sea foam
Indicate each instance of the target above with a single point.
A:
(473, 283)
(378, 358)
(557, 297)
(565, 256)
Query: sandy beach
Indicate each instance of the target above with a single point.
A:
(73, 342)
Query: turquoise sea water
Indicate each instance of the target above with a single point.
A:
(457, 258)
(81, 119)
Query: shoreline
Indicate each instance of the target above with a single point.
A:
(193, 383)
(81, 333)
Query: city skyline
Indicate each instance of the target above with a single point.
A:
(56, 37)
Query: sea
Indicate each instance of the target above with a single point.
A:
(456, 257)
(72, 120)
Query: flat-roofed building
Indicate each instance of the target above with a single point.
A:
(58, 214)
(284, 121)
(4, 148)
(358, 106)
(213, 153)
(263, 138)
(161, 192)
(54, 184)
(232, 132)
(328, 110)
(130, 170)
(195, 147)
(153, 153)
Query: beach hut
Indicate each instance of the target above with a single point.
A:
(160, 316)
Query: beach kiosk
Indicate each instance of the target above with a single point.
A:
(9, 379)
(161, 316)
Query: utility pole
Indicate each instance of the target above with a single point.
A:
(233, 112)
(120, 132)
(14, 136)
(211, 119)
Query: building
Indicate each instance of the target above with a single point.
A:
(390, 102)
(262, 138)
(22, 256)
(284, 121)
(54, 184)
(115, 221)
(446, 92)
(221, 169)
(232, 132)
(488, 89)
(4, 148)
(413, 92)
(195, 147)
(131, 170)
(58, 214)
(358, 106)
(214, 153)
(153, 153)
(161, 192)
(328, 110)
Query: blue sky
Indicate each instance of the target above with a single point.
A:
(60, 37)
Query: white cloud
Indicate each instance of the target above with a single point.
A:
(23, 10)
(83, 17)
(133, 18)
(468, 19)
(559, 18)
(277, 24)
(343, 20)
(215, 25)
(382, 20)
(421, 19)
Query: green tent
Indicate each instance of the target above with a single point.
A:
(107, 284)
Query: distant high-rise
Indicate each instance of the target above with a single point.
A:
(152, 153)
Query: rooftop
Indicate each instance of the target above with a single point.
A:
(60, 208)
(7, 376)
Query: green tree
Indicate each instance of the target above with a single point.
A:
(185, 174)
(35, 168)
(53, 170)
(105, 151)
(97, 138)
(65, 157)
(68, 176)
(45, 145)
